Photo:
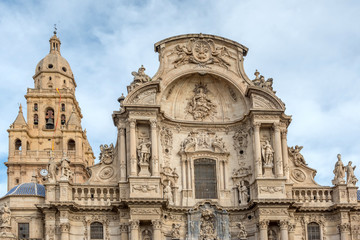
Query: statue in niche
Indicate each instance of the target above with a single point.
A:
(339, 171)
(242, 231)
(243, 193)
(106, 154)
(143, 151)
(65, 167)
(267, 153)
(168, 193)
(5, 215)
(146, 235)
(271, 235)
(350, 176)
(298, 157)
(175, 231)
(200, 106)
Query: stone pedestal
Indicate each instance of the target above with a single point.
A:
(268, 172)
(145, 187)
(144, 170)
(340, 194)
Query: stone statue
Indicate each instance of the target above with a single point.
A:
(66, 173)
(271, 235)
(243, 193)
(339, 172)
(298, 157)
(242, 231)
(168, 193)
(143, 151)
(139, 78)
(350, 176)
(147, 235)
(267, 153)
(5, 215)
(175, 231)
(52, 168)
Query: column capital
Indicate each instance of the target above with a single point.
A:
(256, 125)
(276, 126)
(283, 133)
(284, 224)
(156, 224)
(263, 224)
(65, 227)
(132, 122)
(124, 227)
(134, 224)
(153, 123)
(344, 227)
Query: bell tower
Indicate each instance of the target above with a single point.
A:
(53, 124)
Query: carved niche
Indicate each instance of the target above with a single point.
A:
(201, 51)
(200, 106)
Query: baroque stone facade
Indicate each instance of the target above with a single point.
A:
(201, 153)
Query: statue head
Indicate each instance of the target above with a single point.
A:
(339, 157)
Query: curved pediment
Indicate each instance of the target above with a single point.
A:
(264, 99)
(203, 98)
(143, 95)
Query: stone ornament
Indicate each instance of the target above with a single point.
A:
(240, 143)
(106, 173)
(5, 216)
(175, 231)
(106, 154)
(202, 52)
(267, 153)
(207, 226)
(144, 188)
(200, 105)
(271, 189)
(203, 141)
(298, 175)
(139, 78)
(166, 138)
(242, 231)
(260, 82)
(299, 159)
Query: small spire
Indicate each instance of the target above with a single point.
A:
(20, 108)
(55, 29)
(55, 42)
(20, 120)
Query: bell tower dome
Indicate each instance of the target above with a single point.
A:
(50, 129)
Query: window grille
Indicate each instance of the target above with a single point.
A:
(23, 232)
(313, 231)
(96, 231)
(205, 179)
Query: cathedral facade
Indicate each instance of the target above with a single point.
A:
(201, 154)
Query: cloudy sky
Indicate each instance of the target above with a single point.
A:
(310, 48)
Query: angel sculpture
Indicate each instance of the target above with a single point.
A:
(267, 153)
(298, 157)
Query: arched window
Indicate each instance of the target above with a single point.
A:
(35, 107)
(63, 119)
(96, 231)
(49, 118)
(205, 179)
(63, 107)
(36, 119)
(18, 144)
(71, 145)
(313, 230)
(27, 146)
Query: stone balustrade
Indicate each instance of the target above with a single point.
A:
(35, 154)
(318, 195)
(95, 195)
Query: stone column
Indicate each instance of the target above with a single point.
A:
(344, 231)
(189, 185)
(124, 235)
(49, 232)
(134, 225)
(133, 159)
(278, 154)
(263, 225)
(221, 175)
(257, 150)
(122, 155)
(285, 155)
(291, 228)
(154, 149)
(65, 228)
(183, 173)
(284, 230)
(157, 229)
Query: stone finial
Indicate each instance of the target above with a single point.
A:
(257, 73)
